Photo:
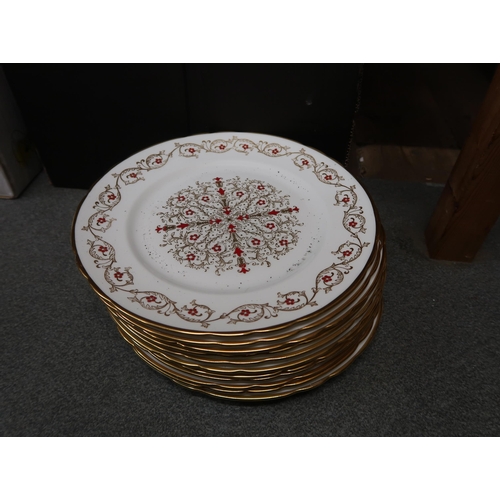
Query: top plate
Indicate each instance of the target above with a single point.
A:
(225, 232)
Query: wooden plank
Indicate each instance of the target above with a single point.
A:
(470, 203)
(406, 163)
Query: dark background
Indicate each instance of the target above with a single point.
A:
(411, 120)
(85, 118)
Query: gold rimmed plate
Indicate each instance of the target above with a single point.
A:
(324, 371)
(225, 233)
(257, 363)
(252, 341)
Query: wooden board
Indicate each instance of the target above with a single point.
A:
(406, 163)
(470, 203)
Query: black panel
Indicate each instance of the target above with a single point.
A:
(310, 103)
(85, 118)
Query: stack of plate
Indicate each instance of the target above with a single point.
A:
(244, 266)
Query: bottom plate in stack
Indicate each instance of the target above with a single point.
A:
(301, 360)
(324, 370)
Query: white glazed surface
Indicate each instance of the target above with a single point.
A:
(140, 273)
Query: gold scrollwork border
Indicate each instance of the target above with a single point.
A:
(121, 278)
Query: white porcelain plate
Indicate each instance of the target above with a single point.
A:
(225, 232)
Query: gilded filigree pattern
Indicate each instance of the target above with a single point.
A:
(228, 224)
(233, 252)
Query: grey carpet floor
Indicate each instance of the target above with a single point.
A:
(431, 370)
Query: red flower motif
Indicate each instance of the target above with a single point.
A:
(232, 228)
(243, 269)
(193, 237)
(217, 179)
(101, 220)
(289, 302)
(205, 198)
(227, 210)
(245, 146)
(216, 221)
(326, 279)
(242, 217)
(353, 223)
(294, 209)
(158, 160)
(102, 249)
(181, 198)
(151, 298)
(260, 187)
(346, 199)
(193, 312)
(284, 243)
(216, 248)
(245, 312)
(328, 177)
(347, 253)
(275, 151)
(183, 225)
(190, 256)
(261, 202)
(133, 175)
(270, 225)
(191, 150)
(222, 147)
(239, 194)
(189, 212)
(118, 275)
(305, 162)
(255, 242)
(111, 196)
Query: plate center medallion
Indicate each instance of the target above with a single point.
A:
(228, 224)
